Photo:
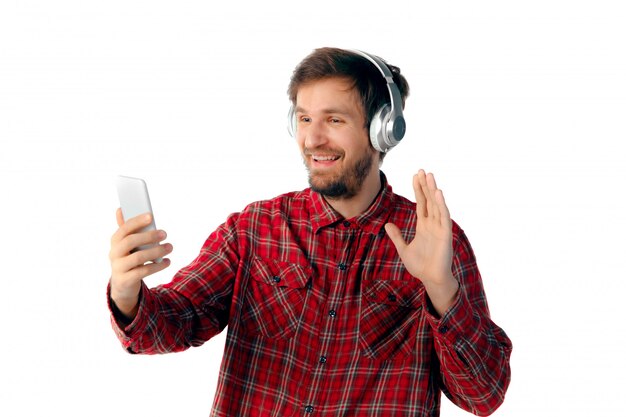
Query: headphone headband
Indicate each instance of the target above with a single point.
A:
(394, 92)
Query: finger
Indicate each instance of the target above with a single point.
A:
(119, 217)
(445, 219)
(431, 190)
(420, 198)
(142, 257)
(135, 240)
(131, 226)
(428, 206)
(430, 182)
(146, 270)
(396, 237)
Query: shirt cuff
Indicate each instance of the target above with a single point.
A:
(456, 323)
(458, 333)
(124, 328)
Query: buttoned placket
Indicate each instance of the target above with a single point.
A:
(332, 311)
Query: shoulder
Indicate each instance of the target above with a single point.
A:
(290, 205)
(282, 203)
(263, 217)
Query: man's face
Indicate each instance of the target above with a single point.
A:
(333, 138)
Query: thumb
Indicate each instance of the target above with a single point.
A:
(396, 236)
(119, 217)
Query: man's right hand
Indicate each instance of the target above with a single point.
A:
(129, 269)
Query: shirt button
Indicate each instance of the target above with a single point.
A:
(443, 329)
(346, 224)
(322, 359)
(276, 279)
(392, 298)
(332, 313)
(342, 266)
(308, 409)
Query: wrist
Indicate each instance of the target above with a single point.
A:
(128, 310)
(126, 302)
(442, 294)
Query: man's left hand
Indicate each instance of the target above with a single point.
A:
(428, 257)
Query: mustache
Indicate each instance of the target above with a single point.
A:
(322, 150)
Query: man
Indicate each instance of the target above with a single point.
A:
(343, 299)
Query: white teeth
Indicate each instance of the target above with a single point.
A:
(325, 158)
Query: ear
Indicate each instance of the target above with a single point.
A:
(292, 125)
(378, 127)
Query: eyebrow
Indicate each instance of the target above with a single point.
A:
(330, 110)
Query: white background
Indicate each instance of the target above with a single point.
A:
(518, 108)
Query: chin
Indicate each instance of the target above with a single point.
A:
(333, 188)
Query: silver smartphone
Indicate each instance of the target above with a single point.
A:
(135, 200)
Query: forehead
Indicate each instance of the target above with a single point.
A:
(331, 92)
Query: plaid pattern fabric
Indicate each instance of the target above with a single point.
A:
(323, 319)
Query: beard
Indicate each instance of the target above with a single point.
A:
(345, 184)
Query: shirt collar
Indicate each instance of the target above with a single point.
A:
(372, 220)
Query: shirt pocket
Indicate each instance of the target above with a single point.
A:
(389, 320)
(275, 298)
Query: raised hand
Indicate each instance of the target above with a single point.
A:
(428, 257)
(128, 267)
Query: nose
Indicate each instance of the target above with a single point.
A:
(315, 134)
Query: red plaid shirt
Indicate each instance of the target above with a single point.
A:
(323, 319)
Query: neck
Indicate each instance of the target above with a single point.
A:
(353, 206)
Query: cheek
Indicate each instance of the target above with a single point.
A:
(362, 145)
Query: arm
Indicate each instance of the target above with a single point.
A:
(473, 352)
(187, 311)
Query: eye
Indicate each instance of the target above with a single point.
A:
(305, 119)
(334, 120)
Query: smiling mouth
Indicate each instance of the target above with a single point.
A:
(324, 158)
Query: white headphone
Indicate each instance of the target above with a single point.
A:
(387, 127)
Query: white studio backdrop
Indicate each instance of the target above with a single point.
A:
(518, 108)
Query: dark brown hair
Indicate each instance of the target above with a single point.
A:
(367, 79)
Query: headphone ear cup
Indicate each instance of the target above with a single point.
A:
(378, 129)
(291, 122)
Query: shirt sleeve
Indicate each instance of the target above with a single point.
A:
(190, 309)
(473, 352)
